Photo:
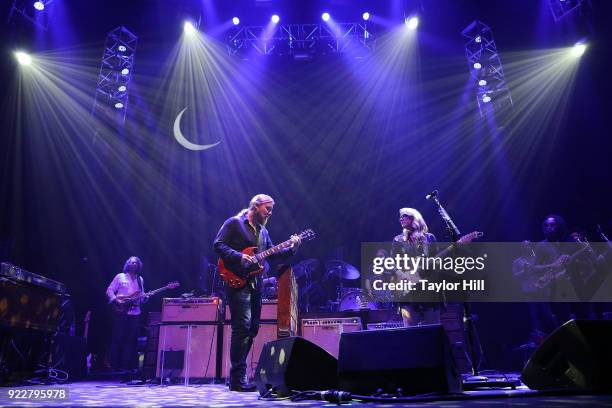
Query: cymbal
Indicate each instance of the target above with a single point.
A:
(342, 269)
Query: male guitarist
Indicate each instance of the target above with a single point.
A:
(247, 229)
(125, 323)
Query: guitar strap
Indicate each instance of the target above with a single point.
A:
(141, 284)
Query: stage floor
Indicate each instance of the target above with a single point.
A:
(109, 393)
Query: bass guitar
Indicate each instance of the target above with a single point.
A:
(123, 303)
(238, 278)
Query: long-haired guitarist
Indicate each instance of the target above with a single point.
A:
(415, 240)
(245, 230)
(125, 323)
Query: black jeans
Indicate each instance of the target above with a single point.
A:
(245, 307)
(123, 342)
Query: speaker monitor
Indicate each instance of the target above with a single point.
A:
(187, 351)
(578, 355)
(294, 363)
(416, 359)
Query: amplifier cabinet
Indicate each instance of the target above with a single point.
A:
(267, 332)
(326, 332)
(205, 310)
(269, 311)
(187, 351)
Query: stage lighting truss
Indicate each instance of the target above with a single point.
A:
(115, 74)
(25, 10)
(486, 70)
(563, 8)
(300, 40)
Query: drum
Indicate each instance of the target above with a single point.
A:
(357, 300)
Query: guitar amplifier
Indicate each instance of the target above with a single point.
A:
(326, 332)
(269, 310)
(204, 310)
(385, 325)
(187, 351)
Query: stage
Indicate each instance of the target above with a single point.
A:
(113, 393)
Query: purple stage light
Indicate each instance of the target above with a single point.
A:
(275, 18)
(325, 16)
(236, 21)
(486, 98)
(482, 82)
(39, 5)
(125, 71)
(122, 88)
(365, 16)
(118, 105)
(477, 65)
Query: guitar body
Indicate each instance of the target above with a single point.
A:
(125, 302)
(234, 279)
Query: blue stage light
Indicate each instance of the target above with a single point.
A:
(236, 20)
(579, 49)
(23, 58)
(118, 105)
(125, 71)
(482, 82)
(477, 65)
(39, 5)
(325, 16)
(189, 28)
(486, 98)
(122, 88)
(275, 18)
(365, 16)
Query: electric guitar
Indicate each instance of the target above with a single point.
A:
(555, 270)
(238, 278)
(414, 276)
(123, 303)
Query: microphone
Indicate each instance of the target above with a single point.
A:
(431, 195)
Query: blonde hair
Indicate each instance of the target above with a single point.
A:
(257, 199)
(419, 224)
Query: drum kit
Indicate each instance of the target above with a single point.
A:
(333, 290)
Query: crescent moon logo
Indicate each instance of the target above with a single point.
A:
(178, 135)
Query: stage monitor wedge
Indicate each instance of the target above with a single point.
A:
(578, 355)
(294, 363)
(416, 359)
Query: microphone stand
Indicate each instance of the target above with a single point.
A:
(468, 325)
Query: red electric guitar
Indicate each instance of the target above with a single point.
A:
(238, 278)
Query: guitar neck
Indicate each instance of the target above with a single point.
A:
(274, 250)
(153, 292)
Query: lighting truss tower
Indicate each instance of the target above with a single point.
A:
(113, 85)
(486, 70)
(562, 8)
(300, 40)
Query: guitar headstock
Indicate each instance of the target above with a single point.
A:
(470, 237)
(307, 235)
(173, 284)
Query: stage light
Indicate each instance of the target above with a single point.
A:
(412, 22)
(125, 71)
(325, 16)
(578, 49)
(486, 98)
(482, 82)
(478, 39)
(236, 20)
(189, 28)
(118, 105)
(275, 18)
(365, 16)
(23, 58)
(39, 5)
(477, 65)
(122, 48)
(122, 88)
